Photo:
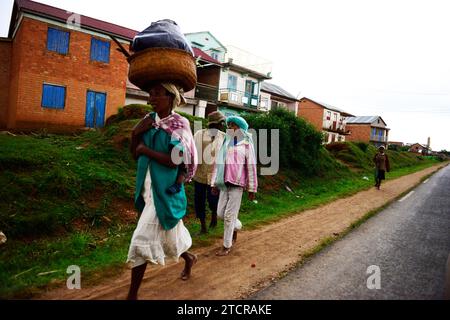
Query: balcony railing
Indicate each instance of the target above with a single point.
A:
(337, 127)
(206, 92)
(239, 98)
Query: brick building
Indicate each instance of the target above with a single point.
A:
(420, 149)
(370, 129)
(325, 118)
(60, 74)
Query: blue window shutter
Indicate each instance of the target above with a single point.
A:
(93, 49)
(100, 50)
(64, 43)
(58, 41)
(53, 96)
(51, 39)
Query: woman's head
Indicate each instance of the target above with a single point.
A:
(165, 97)
(236, 122)
(160, 98)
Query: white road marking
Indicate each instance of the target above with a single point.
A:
(426, 181)
(406, 197)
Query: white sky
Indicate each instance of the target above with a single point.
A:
(388, 58)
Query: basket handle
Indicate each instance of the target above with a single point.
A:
(121, 47)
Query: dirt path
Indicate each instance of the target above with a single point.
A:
(273, 249)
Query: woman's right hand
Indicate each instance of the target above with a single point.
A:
(143, 125)
(215, 191)
(140, 150)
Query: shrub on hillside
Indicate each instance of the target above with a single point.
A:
(336, 146)
(394, 147)
(362, 145)
(299, 144)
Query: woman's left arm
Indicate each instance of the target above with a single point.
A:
(250, 169)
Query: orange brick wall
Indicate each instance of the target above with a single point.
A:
(358, 132)
(5, 64)
(33, 65)
(311, 112)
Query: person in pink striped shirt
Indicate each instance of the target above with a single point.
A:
(234, 172)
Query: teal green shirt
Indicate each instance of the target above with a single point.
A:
(169, 208)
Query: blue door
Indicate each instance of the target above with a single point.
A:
(95, 109)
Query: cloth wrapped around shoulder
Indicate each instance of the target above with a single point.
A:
(179, 129)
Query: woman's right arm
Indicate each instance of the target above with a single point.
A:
(162, 158)
(136, 134)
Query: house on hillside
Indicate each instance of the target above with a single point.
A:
(275, 97)
(240, 79)
(325, 118)
(396, 143)
(370, 129)
(419, 149)
(58, 74)
(203, 99)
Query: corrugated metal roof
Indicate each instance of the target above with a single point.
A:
(273, 88)
(63, 15)
(362, 119)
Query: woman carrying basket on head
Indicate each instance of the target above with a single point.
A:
(163, 145)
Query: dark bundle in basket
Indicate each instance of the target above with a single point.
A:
(162, 54)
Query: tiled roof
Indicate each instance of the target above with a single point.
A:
(201, 54)
(327, 106)
(62, 15)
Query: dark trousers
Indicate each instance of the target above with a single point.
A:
(203, 192)
(379, 175)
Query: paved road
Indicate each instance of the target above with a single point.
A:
(409, 242)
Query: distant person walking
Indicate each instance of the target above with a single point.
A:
(381, 161)
(235, 171)
(208, 142)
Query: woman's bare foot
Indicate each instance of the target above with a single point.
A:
(190, 259)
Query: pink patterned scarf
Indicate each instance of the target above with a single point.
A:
(179, 129)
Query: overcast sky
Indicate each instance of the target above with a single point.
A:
(388, 58)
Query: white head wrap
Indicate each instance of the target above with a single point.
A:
(179, 100)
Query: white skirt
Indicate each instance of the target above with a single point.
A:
(150, 242)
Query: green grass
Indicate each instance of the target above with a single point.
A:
(60, 193)
(49, 181)
(20, 272)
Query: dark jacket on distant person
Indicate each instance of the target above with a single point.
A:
(382, 162)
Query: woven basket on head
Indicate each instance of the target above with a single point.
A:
(154, 65)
